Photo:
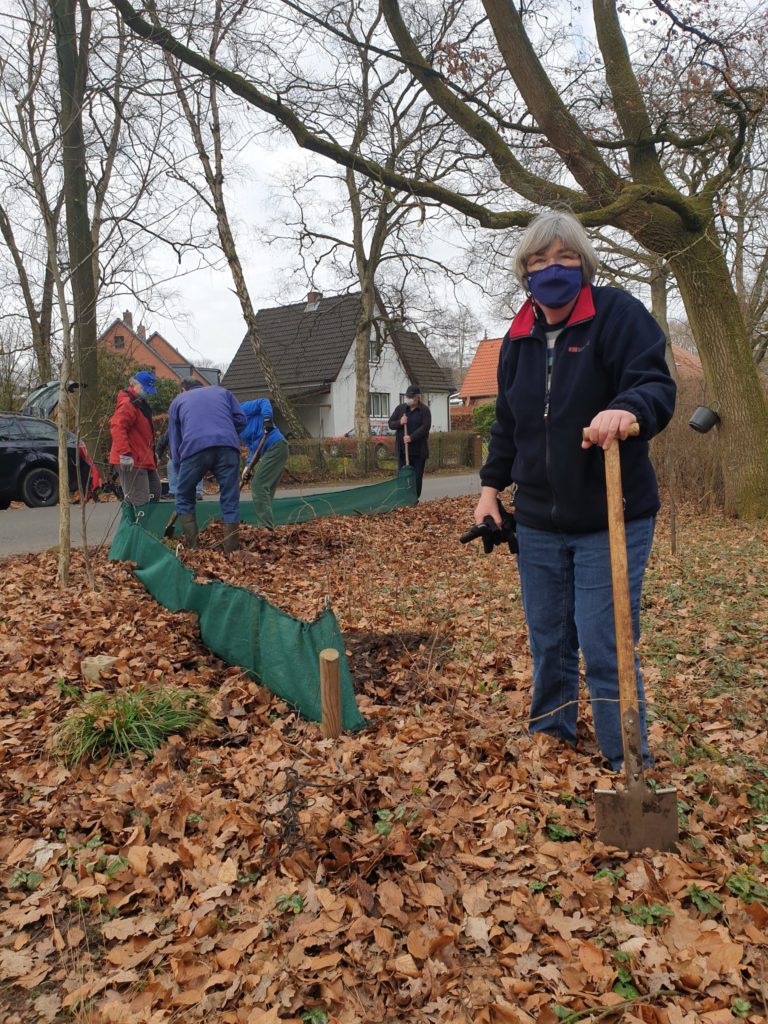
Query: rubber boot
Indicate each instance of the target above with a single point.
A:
(231, 537)
(189, 529)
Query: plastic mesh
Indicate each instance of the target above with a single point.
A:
(240, 626)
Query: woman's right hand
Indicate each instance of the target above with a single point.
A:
(488, 505)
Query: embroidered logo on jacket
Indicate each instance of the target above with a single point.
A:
(579, 348)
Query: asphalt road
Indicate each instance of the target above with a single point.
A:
(24, 530)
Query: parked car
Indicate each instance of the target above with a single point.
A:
(44, 399)
(383, 438)
(29, 469)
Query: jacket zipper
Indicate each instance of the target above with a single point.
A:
(548, 387)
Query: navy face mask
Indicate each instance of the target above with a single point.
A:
(554, 286)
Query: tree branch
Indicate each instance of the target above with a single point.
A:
(628, 100)
(576, 150)
(307, 139)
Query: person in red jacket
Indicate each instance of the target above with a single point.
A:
(133, 441)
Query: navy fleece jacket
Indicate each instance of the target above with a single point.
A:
(609, 355)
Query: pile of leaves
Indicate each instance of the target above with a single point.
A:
(439, 865)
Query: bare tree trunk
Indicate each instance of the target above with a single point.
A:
(733, 387)
(64, 507)
(72, 54)
(39, 324)
(362, 366)
(659, 293)
(214, 177)
(659, 281)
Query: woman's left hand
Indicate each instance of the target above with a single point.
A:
(607, 425)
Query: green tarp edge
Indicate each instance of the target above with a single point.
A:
(242, 627)
(398, 492)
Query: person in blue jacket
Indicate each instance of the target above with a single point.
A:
(203, 428)
(265, 441)
(576, 355)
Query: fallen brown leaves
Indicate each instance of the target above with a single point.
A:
(438, 866)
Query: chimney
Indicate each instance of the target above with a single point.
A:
(313, 297)
(142, 332)
(128, 319)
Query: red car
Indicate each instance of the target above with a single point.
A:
(383, 438)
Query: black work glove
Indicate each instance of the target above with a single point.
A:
(492, 535)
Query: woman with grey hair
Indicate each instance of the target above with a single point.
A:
(576, 355)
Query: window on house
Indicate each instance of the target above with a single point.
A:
(374, 352)
(119, 341)
(378, 404)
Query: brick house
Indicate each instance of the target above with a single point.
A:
(154, 351)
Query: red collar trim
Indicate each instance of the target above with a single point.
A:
(522, 325)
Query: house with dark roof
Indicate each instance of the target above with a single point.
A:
(152, 351)
(311, 347)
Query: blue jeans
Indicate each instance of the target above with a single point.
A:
(568, 604)
(225, 465)
(173, 476)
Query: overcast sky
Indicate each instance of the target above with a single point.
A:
(202, 316)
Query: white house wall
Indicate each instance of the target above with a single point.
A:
(334, 415)
(438, 406)
(312, 416)
(387, 376)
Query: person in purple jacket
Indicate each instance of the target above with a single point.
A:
(576, 355)
(203, 433)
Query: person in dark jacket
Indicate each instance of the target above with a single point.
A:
(203, 428)
(133, 435)
(268, 444)
(412, 420)
(576, 355)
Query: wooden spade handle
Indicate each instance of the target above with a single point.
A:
(622, 612)
(632, 431)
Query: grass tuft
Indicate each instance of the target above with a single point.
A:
(117, 724)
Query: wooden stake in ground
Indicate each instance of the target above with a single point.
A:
(330, 693)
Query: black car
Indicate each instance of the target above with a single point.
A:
(29, 469)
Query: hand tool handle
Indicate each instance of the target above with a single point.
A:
(250, 465)
(168, 531)
(407, 456)
(622, 614)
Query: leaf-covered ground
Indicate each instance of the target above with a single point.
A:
(438, 866)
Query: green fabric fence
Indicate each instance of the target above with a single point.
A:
(242, 627)
(398, 492)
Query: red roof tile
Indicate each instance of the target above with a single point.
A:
(480, 381)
